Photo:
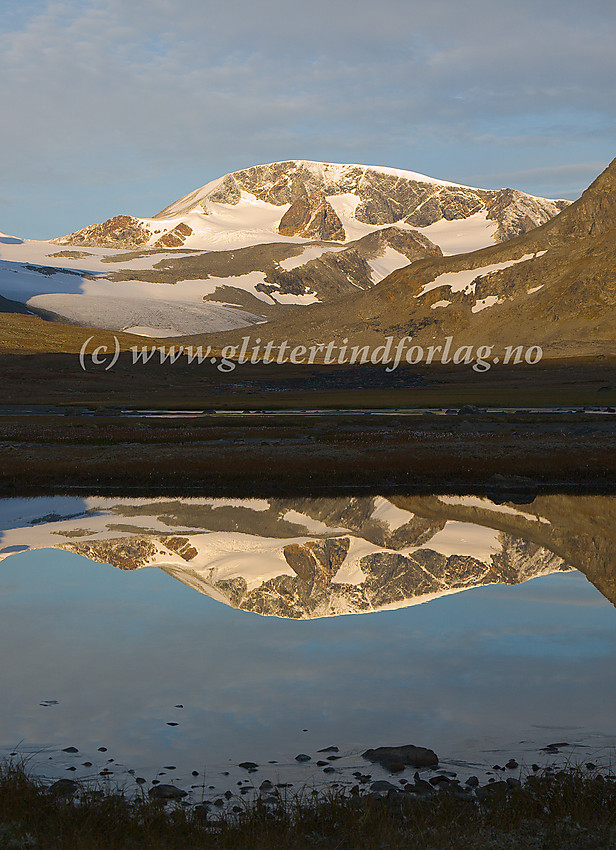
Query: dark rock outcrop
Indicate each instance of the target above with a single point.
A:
(317, 561)
(174, 238)
(311, 216)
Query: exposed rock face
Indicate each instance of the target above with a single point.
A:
(384, 197)
(411, 243)
(594, 213)
(127, 553)
(312, 217)
(517, 213)
(174, 238)
(181, 546)
(446, 204)
(125, 231)
(317, 562)
(121, 231)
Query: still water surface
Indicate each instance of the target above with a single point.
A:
(95, 656)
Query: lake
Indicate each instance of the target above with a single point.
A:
(186, 636)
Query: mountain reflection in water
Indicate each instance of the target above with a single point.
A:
(315, 557)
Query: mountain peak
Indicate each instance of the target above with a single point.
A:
(594, 212)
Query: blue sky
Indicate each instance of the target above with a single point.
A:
(111, 107)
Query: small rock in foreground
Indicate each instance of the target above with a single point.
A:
(382, 785)
(66, 787)
(167, 792)
(407, 755)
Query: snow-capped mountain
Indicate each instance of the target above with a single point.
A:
(552, 287)
(252, 244)
(297, 558)
(325, 201)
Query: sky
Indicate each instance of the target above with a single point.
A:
(111, 107)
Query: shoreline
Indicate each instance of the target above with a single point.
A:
(570, 809)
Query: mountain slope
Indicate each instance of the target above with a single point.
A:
(554, 286)
(253, 244)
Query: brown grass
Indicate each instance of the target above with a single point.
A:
(571, 810)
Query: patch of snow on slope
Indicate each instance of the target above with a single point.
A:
(190, 201)
(249, 222)
(458, 281)
(159, 333)
(387, 263)
(440, 304)
(314, 526)
(344, 206)
(307, 254)
(250, 504)
(350, 573)
(289, 298)
(487, 505)
(488, 301)
(462, 236)
(247, 282)
(391, 515)
(19, 283)
(117, 314)
(54, 533)
(228, 555)
(464, 538)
